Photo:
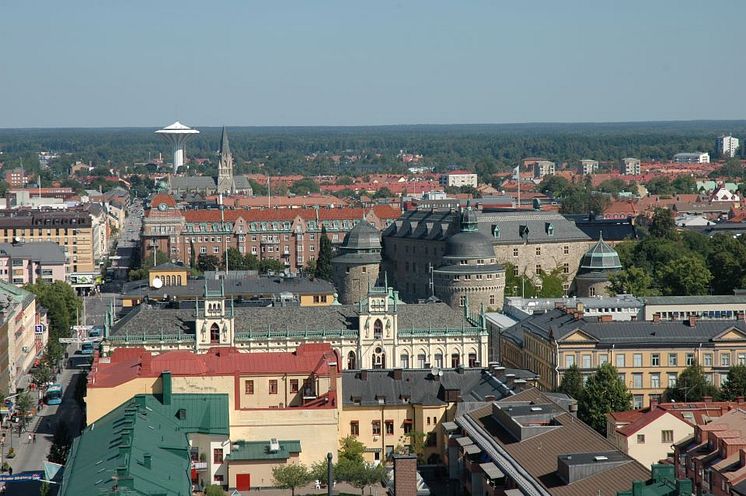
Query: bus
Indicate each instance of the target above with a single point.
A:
(54, 394)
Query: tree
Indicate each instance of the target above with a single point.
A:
(304, 186)
(691, 385)
(42, 374)
(61, 442)
(324, 260)
(290, 476)
(416, 444)
(359, 474)
(572, 382)
(552, 284)
(383, 193)
(24, 407)
(604, 393)
(214, 490)
(735, 384)
(208, 262)
(685, 276)
(634, 280)
(553, 185)
(663, 225)
(351, 449)
(319, 472)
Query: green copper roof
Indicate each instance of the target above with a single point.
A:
(260, 450)
(600, 257)
(141, 447)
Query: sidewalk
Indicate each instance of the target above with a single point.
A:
(340, 488)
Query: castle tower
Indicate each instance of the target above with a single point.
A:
(596, 266)
(469, 275)
(225, 166)
(357, 267)
(213, 323)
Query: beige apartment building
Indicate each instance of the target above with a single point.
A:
(71, 230)
(648, 355)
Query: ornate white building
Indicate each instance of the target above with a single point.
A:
(379, 332)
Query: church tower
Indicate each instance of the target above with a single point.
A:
(214, 320)
(225, 166)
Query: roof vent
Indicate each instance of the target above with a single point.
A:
(181, 414)
(600, 458)
(535, 408)
(274, 445)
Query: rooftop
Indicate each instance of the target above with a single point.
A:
(262, 450)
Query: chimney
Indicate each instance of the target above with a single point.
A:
(166, 387)
(692, 321)
(396, 374)
(509, 378)
(605, 318)
(147, 460)
(656, 317)
(405, 475)
(653, 404)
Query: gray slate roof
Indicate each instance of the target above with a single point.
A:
(246, 287)
(191, 183)
(440, 224)
(146, 319)
(556, 324)
(44, 252)
(694, 300)
(419, 387)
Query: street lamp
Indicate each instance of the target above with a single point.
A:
(329, 474)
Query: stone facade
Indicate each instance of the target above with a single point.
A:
(353, 281)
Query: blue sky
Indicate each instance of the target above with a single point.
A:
(348, 62)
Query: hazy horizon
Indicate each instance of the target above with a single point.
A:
(142, 64)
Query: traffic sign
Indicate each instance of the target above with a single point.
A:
(39, 329)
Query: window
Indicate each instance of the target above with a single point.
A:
(742, 359)
(565, 268)
(354, 428)
(219, 479)
(217, 455)
(515, 252)
(673, 359)
(215, 249)
(273, 386)
(203, 250)
(637, 360)
(620, 360)
(655, 380)
(376, 426)
(538, 251)
(389, 424)
(566, 250)
(586, 361)
(637, 401)
(708, 360)
(689, 359)
(569, 360)
(667, 436)
(538, 269)
(377, 329)
(655, 360)
(641, 439)
(492, 297)
(461, 301)
(602, 359)
(439, 360)
(637, 380)
(249, 387)
(404, 361)
(725, 359)
(408, 426)
(293, 385)
(421, 360)
(472, 360)
(672, 379)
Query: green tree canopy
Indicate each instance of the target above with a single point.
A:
(663, 225)
(735, 384)
(208, 262)
(572, 382)
(634, 280)
(383, 193)
(324, 261)
(214, 490)
(291, 476)
(351, 449)
(604, 393)
(691, 385)
(685, 276)
(304, 186)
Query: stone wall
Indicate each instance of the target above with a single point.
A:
(352, 281)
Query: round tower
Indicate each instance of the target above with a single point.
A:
(470, 275)
(358, 265)
(596, 266)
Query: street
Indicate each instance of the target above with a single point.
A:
(127, 246)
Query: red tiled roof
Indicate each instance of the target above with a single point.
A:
(127, 364)
(701, 412)
(163, 198)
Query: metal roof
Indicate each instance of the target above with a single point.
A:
(261, 450)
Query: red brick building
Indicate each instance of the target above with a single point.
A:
(288, 235)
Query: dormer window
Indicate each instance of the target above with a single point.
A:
(550, 229)
(495, 231)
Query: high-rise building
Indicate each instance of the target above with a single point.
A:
(727, 146)
(589, 166)
(631, 166)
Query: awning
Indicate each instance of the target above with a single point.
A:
(472, 449)
(464, 441)
(491, 470)
(450, 426)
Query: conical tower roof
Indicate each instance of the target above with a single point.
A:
(224, 145)
(601, 257)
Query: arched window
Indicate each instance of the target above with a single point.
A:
(351, 360)
(379, 359)
(377, 329)
(214, 334)
(178, 280)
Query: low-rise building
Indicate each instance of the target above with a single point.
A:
(27, 263)
(692, 158)
(648, 355)
(530, 444)
(704, 307)
(620, 307)
(630, 166)
(544, 168)
(714, 459)
(459, 178)
(645, 434)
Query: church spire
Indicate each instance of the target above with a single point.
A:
(225, 181)
(224, 146)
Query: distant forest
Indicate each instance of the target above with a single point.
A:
(282, 150)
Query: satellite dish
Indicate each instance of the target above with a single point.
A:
(157, 282)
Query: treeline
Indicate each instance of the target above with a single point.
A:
(283, 150)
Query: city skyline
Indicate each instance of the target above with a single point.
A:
(339, 64)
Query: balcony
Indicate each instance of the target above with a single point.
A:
(199, 465)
